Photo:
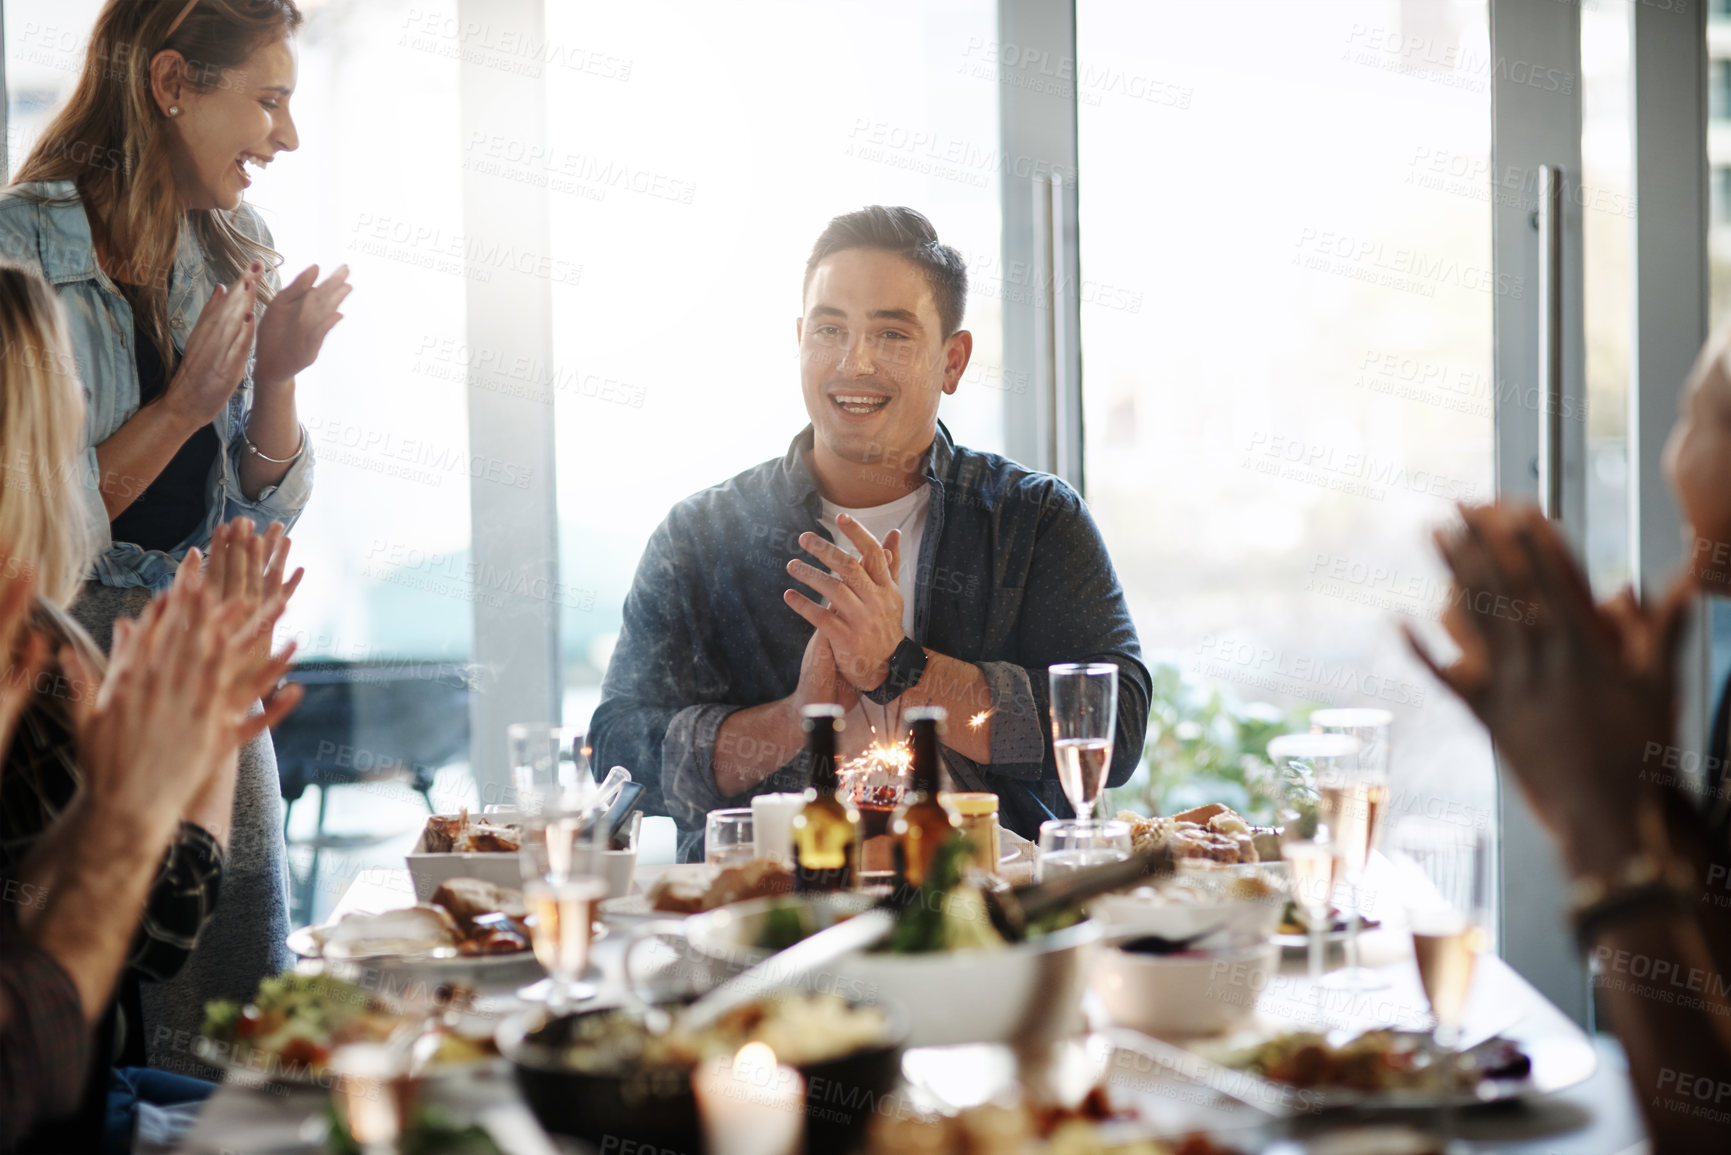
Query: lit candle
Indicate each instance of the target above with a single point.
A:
(750, 1104)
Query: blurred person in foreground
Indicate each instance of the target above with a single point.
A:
(932, 574)
(1582, 706)
(118, 779)
(132, 203)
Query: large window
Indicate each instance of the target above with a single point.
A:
(1292, 379)
(674, 340)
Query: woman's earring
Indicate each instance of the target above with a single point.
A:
(174, 110)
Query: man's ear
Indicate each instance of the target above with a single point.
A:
(167, 79)
(798, 330)
(958, 351)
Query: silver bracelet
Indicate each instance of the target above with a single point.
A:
(254, 450)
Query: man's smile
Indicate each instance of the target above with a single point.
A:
(858, 404)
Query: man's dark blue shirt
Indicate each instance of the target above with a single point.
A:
(1013, 576)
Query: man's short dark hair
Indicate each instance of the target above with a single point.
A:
(908, 234)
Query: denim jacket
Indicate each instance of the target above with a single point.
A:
(1013, 576)
(43, 226)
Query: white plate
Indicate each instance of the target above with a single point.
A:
(1557, 1063)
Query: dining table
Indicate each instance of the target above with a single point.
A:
(1596, 1115)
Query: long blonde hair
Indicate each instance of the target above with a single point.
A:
(109, 140)
(43, 517)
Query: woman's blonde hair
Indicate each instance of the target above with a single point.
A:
(43, 517)
(110, 142)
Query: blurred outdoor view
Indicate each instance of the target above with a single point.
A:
(1286, 313)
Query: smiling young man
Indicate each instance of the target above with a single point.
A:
(877, 565)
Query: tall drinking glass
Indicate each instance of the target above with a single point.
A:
(1084, 723)
(1445, 878)
(564, 837)
(1303, 763)
(1352, 801)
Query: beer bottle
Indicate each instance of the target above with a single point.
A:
(826, 831)
(922, 823)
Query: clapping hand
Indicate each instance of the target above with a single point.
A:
(1574, 695)
(244, 571)
(863, 621)
(295, 325)
(214, 362)
(172, 706)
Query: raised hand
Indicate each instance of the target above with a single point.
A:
(214, 362)
(295, 325)
(245, 571)
(863, 618)
(1575, 696)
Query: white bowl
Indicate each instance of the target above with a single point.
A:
(1192, 993)
(1156, 910)
(427, 870)
(1030, 991)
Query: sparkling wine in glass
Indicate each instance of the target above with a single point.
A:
(1351, 805)
(1084, 725)
(1445, 878)
(1311, 865)
(563, 914)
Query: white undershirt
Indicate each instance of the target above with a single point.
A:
(907, 514)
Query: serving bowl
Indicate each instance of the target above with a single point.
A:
(656, 1108)
(1192, 992)
(1212, 904)
(1025, 991)
(427, 869)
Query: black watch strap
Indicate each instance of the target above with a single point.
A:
(907, 667)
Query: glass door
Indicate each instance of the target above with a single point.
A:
(1290, 382)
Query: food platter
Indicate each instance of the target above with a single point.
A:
(1547, 1064)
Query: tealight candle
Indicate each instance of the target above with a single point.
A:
(750, 1104)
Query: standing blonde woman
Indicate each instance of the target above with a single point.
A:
(131, 206)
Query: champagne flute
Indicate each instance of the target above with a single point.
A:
(564, 838)
(1311, 867)
(1084, 725)
(1445, 874)
(1303, 762)
(1352, 800)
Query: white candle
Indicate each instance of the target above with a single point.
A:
(750, 1104)
(772, 824)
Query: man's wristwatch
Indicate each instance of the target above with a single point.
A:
(907, 667)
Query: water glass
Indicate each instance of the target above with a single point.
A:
(1068, 845)
(1084, 724)
(729, 837)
